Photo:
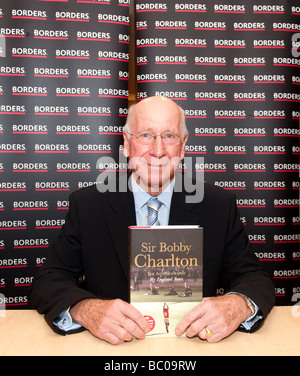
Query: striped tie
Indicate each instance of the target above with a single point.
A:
(153, 206)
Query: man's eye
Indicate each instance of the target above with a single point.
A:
(170, 136)
(145, 135)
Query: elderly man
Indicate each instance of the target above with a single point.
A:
(93, 244)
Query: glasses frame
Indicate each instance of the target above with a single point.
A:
(162, 135)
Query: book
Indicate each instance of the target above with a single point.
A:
(166, 274)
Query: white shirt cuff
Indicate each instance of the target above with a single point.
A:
(65, 322)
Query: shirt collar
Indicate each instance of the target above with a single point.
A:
(141, 197)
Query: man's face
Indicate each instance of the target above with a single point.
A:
(154, 165)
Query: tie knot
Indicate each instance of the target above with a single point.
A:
(154, 203)
(153, 206)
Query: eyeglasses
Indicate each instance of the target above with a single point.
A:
(147, 138)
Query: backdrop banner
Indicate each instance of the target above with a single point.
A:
(63, 101)
(234, 68)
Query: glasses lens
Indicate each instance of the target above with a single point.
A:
(170, 139)
(145, 138)
(148, 138)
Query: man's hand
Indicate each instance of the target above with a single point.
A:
(221, 315)
(114, 321)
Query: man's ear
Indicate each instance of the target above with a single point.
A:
(126, 145)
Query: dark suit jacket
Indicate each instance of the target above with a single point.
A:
(93, 244)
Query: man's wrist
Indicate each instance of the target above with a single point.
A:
(77, 309)
(248, 307)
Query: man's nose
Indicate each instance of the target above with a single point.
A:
(158, 148)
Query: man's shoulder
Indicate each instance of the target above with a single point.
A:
(89, 191)
(197, 187)
(99, 191)
(215, 191)
(216, 196)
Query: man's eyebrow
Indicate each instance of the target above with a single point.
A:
(171, 130)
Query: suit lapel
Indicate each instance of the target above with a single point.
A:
(123, 215)
(181, 213)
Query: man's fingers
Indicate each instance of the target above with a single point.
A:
(110, 338)
(190, 318)
(133, 329)
(116, 331)
(114, 321)
(135, 321)
(195, 329)
(222, 315)
(129, 322)
(180, 328)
